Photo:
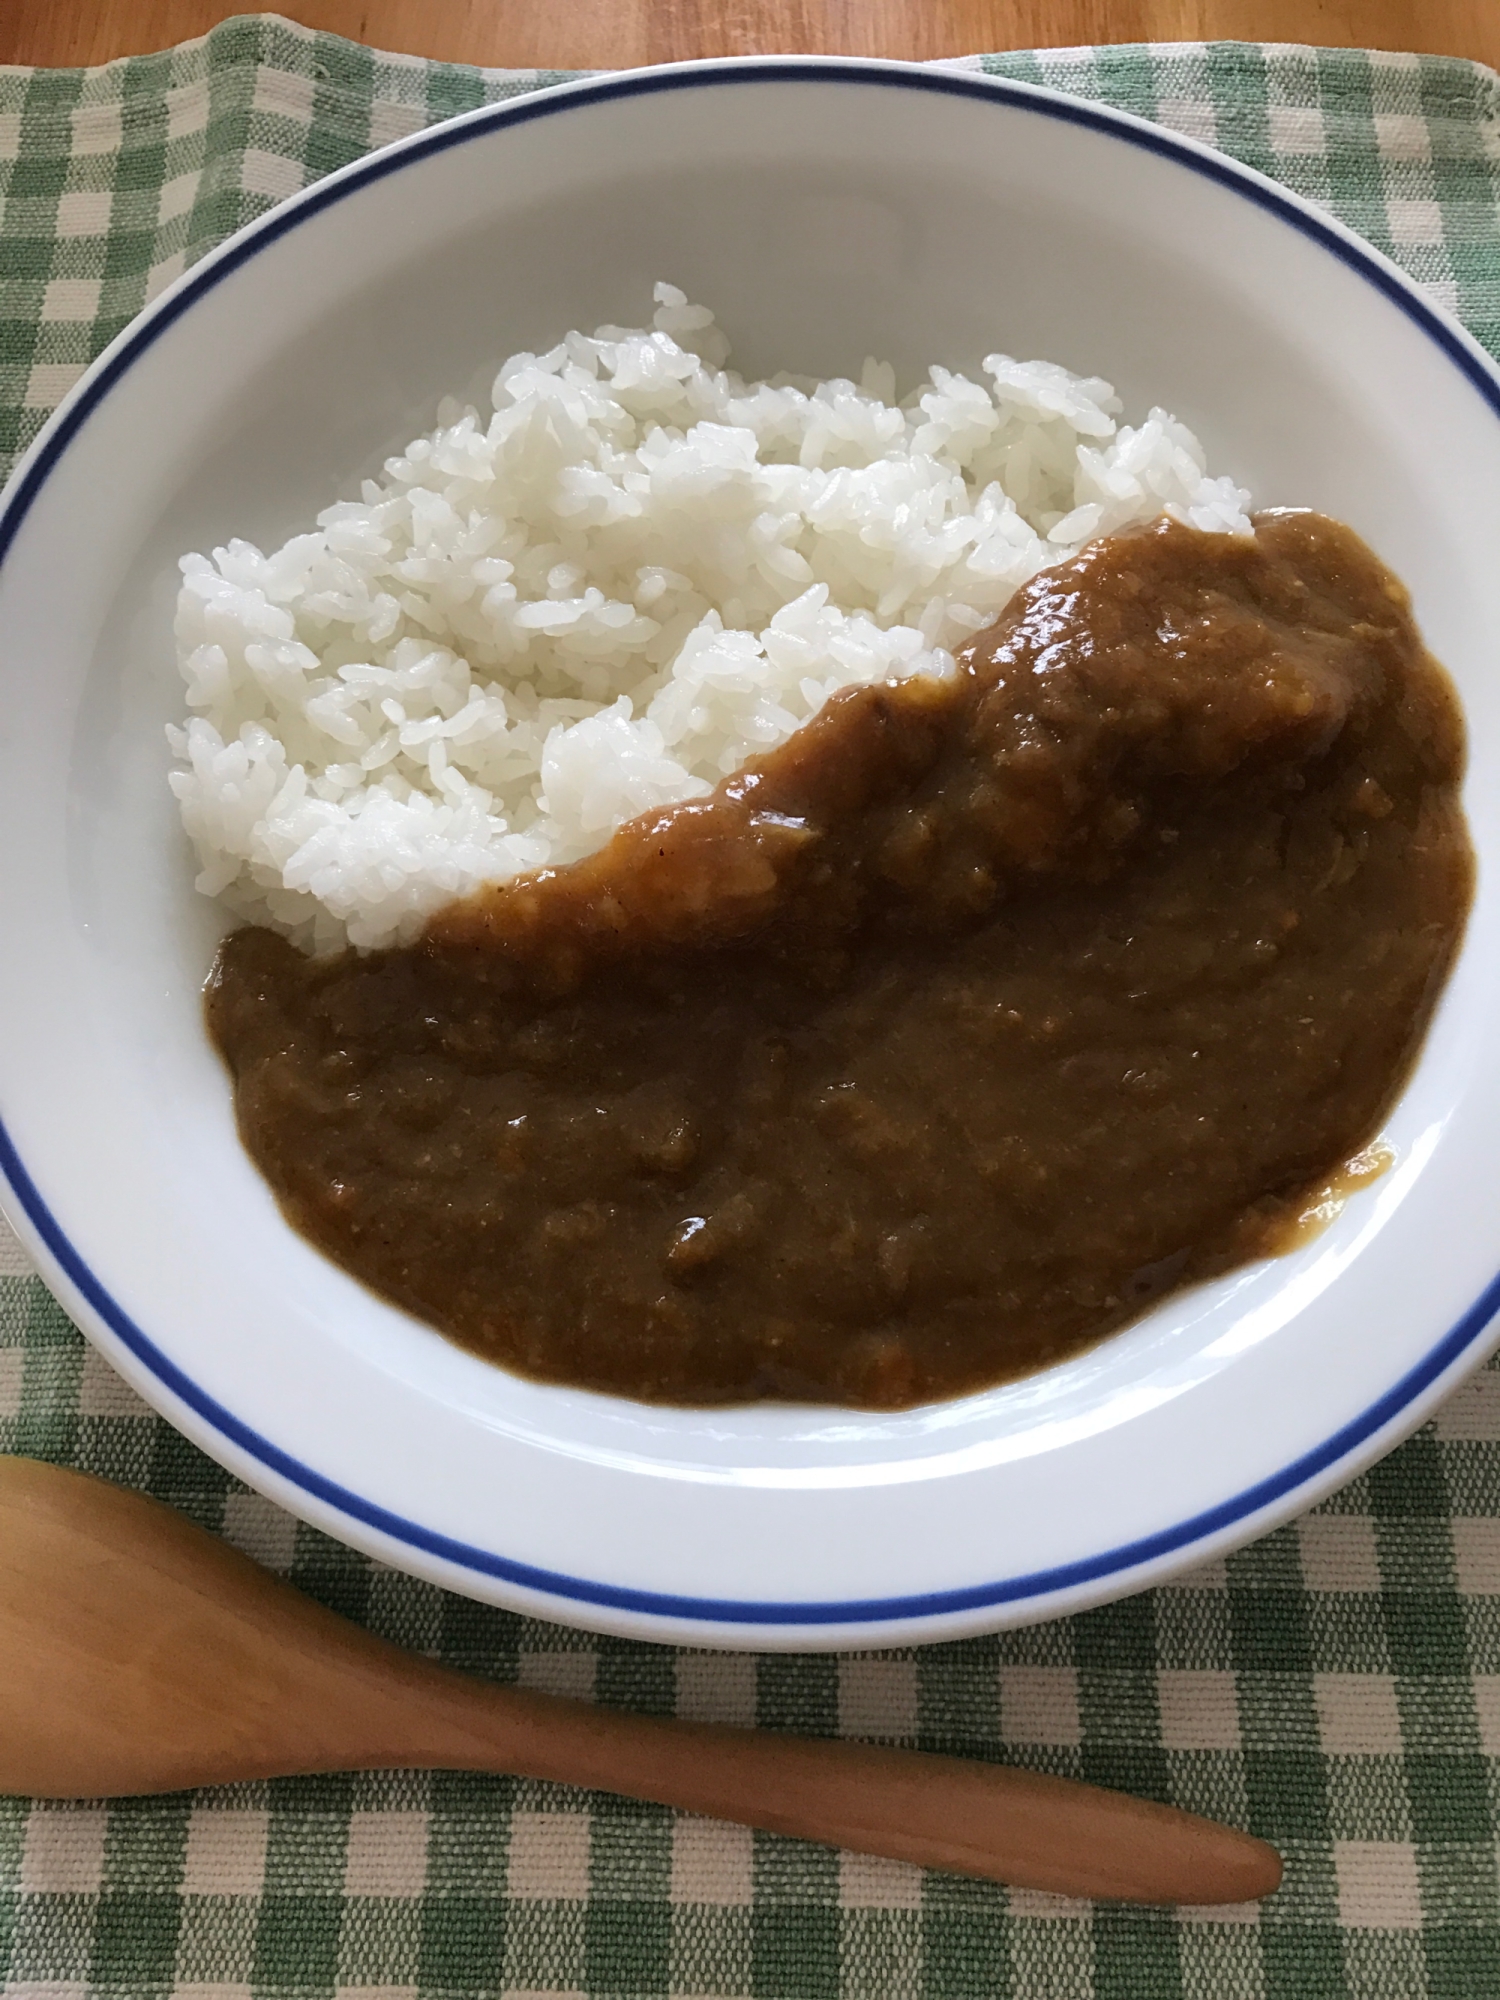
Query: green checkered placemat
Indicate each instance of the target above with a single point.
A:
(1336, 1687)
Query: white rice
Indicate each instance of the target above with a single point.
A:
(635, 574)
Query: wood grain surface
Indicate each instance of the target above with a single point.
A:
(600, 34)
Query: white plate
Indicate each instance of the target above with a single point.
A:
(826, 210)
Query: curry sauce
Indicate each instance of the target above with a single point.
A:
(932, 1046)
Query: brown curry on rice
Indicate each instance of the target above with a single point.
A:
(933, 1045)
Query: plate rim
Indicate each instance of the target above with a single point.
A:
(1397, 1411)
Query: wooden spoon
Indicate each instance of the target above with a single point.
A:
(140, 1654)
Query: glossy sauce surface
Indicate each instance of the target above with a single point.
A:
(932, 1046)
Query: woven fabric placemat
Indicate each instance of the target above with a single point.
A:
(1336, 1687)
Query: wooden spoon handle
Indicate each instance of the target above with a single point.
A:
(994, 1821)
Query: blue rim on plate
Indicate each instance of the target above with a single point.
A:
(134, 342)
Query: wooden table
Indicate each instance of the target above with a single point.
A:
(598, 34)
